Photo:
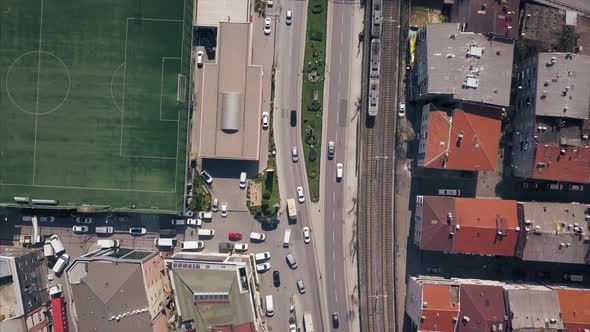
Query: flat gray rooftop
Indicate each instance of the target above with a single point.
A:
(231, 98)
(468, 66)
(563, 85)
(532, 307)
(211, 12)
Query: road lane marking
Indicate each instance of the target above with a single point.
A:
(340, 58)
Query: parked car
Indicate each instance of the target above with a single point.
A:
(300, 194)
(215, 205)
(555, 186)
(276, 278)
(223, 247)
(200, 59)
(402, 110)
(207, 177)
(294, 155)
(301, 286)
(262, 267)
(291, 261)
(224, 210)
(192, 245)
(289, 17)
(530, 185)
(137, 231)
(194, 222)
(234, 236)
(80, 229)
(306, 235)
(339, 171)
(86, 220)
(267, 26)
(257, 236)
(47, 219)
(262, 256)
(61, 263)
(269, 3)
(265, 120)
(575, 187)
(241, 246)
(449, 192)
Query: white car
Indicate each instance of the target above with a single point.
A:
(269, 3)
(241, 246)
(215, 205)
(261, 256)
(294, 155)
(331, 147)
(257, 236)
(300, 195)
(224, 210)
(265, 117)
(194, 222)
(262, 267)
(306, 235)
(200, 59)
(339, 171)
(267, 24)
(80, 229)
(62, 261)
(301, 286)
(402, 110)
(289, 18)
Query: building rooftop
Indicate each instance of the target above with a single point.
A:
(542, 23)
(534, 308)
(576, 317)
(466, 139)
(231, 308)
(468, 66)
(469, 225)
(231, 98)
(484, 16)
(562, 163)
(211, 12)
(440, 307)
(552, 232)
(108, 290)
(563, 85)
(482, 308)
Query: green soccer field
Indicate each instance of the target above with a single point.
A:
(90, 106)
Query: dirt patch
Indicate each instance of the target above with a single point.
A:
(421, 16)
(255, 193)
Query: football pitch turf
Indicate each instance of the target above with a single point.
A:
(90, 109)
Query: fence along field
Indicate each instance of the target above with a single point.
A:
(90, 107)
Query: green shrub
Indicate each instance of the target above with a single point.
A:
(315, 106)
(312, 156)
(313, 174)
(317, 8)
(316, 35)
(266, 195)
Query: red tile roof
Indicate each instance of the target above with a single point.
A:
(572, 166)
(442, 307)
(479, 221)
(477, 150)
(483, 305)
(495, 17)
(574, 307)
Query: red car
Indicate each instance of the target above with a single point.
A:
(235, 236)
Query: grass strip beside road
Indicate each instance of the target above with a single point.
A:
(313, 92)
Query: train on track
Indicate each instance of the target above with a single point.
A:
(376, 19)
(375, 60)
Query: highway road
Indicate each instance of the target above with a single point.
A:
(289, 48)
(339, 111)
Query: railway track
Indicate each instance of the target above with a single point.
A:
(376, 196)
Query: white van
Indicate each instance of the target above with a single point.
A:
(270, 310)
(55, 290)
(192, 245)
(243, 180)
(449, 192)
(58, 247)
(257, 236)
(48, 249)
(104, 230)
(62, 261)
(287, 238)
(206, 232)
(165, 242)
(106, 244)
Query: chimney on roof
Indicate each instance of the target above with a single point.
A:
(459, 138)
(466, 319)
(449, 218)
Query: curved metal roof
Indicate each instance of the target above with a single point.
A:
(230, 111)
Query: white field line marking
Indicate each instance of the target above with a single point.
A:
(87, 188)
(147, 157)
(112, 80)
(157, 19)
(37, 102)
(164, 58)
(124, 86)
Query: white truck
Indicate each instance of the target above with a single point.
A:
(205, 215)
(291, 209)
(307, 322)
(107, 244)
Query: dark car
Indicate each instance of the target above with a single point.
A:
(226, 247)
(335, 320)
(293, 118)
(530, 185)
(276, 277)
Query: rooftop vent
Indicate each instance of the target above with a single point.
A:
(450, 56)
(452, 36)
(471, 82)
(475, 51)
(424, 304)
(466, 319)
(546, 83)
